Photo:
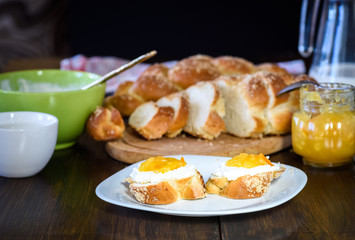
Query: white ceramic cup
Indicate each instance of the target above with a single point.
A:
(27, 142)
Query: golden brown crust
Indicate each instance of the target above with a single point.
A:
(281, 108)
(270, 67)
(252, 108)
(275, 83)
(259, 128)
(195, 189)
(124, 100)
(160, 193)
(180, 114)
(123, 87)
(244, 187)
(193, 69)
(153, 83)
(105, 124)
(180, 119)
(155, 127)
(214, 126)
(229, 65)
(125, 103)
(167, 192)
(205, 100)
(280, 120)
(255, 91)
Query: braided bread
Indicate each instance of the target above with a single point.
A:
(205, 96)
(158, 80)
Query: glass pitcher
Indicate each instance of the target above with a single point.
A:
(334, 53)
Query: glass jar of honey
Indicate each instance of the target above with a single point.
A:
(323, 131)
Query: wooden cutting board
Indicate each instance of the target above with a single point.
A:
(132, 148)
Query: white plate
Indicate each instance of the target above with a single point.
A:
(291, 182)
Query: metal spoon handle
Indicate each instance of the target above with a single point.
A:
(294, 86)
(120, 69)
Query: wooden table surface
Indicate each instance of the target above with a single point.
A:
(60, 203)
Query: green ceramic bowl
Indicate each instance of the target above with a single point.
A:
(54, 92)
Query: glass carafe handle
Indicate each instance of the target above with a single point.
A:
(308, 22)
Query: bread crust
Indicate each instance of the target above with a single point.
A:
(274, 83)
(153, 83)
(245, 104)
(125, 103)
(270, 67)
(252, 108)
(181, 112)
(191, 70)
(157, 126)
(212, 125)
(105, 124)
(254, 91)
(170, 191)
(124, 100)
(229, 65)
(244, 187)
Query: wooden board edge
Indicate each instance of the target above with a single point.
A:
(121, 151)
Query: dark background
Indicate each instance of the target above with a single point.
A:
(259, 31)
(256, 30)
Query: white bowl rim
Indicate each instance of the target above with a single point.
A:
(47, 121)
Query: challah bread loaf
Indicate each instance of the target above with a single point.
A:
(252, 108)
(151, 121)
(105, 124)
(206, 110)
(179, 103)
(191, 70)
(243, 177)
(158, 80)
(159, 181)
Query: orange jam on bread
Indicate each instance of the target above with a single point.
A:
(245, 160)
(161, 164)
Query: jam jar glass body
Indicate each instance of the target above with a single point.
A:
(323, 131)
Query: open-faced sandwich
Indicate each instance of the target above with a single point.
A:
(165, 180)
(244, 176)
